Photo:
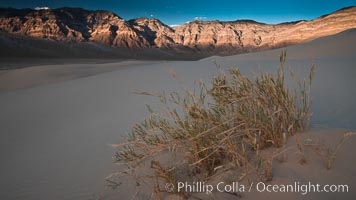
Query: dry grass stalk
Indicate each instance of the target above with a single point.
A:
(228, 122)
(327, 154)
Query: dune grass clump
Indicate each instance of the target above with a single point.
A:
(225, 123)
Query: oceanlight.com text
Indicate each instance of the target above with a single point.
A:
(296, 187)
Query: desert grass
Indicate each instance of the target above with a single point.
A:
(325, 152)
(222, 125)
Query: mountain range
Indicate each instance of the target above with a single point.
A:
(106, 29)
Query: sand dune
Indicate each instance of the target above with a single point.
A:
(46, 74)
(55, 137)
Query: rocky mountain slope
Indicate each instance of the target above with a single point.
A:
(207, 37)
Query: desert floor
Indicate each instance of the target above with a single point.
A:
(57, 121)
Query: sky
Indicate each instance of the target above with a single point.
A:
(176, 12)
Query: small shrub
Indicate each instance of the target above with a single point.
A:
(224, 124)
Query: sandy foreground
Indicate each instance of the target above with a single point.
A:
(57, 121)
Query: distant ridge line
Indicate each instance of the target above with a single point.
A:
(205, 37)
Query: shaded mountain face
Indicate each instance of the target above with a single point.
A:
(209, 37)
(72, 24)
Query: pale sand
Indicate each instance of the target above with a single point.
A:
(28, 77)
(287, 170)
(55, 137)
